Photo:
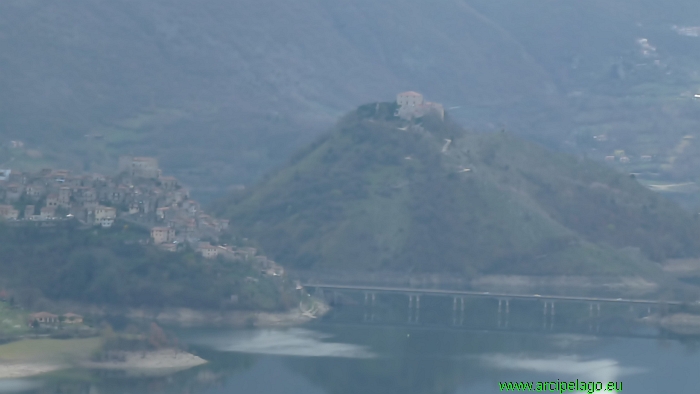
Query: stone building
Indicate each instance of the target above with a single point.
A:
(143, 167)
(43, 318)
(52, 200)
(207, 250)
(411, 99)
(412, 106)
(8, 212)
(162, 234)
(105, 213)
(48, 212)
(64, 194)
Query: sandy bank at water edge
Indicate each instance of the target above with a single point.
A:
(159, 359)
(198, 318)
(23, 370)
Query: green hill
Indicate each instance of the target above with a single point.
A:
(372, 196)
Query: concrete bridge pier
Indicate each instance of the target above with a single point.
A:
(504, 302)
(370, 298)
(457, 301)
(413, 298)
(335, 298)
(593, 309)
(413, 308)
(370, 301)
(548, 315)
(458, 311)
(503, 305)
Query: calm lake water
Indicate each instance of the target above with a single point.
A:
(337, 355)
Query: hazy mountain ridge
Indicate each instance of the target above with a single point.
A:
(247, 78)
(371, 196)
(223, 91)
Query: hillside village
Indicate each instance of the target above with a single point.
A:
(138, 194)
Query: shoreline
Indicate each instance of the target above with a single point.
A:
(187, 317)
(164, 359)
(27, 369)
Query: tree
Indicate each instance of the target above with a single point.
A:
(35, 325)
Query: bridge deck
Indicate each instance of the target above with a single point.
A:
(466, 293)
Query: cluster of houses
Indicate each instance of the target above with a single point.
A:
(619, 155)
(139, 194)
(412, 105)
(166, 239)
(49, 319)
(263, 263)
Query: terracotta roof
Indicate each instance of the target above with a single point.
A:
(410, 93)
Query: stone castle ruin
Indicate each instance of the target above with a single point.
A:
(412, 105)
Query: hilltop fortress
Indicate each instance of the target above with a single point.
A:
(412, 105)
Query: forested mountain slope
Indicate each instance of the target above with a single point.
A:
(380, 193)
(63, 261)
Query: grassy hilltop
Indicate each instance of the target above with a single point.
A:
(377, 193)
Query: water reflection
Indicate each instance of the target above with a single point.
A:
(346, 359)
(565, 368)
(17, 385)
(289, 342)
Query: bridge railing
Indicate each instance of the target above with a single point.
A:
(385, 279)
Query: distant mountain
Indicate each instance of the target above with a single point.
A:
(222, 91)
(381, 193)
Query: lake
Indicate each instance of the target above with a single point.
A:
(339, 354)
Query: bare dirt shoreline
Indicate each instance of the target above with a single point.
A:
(160, 359)
(169, 359)
(23, 370)
(197, 318)
(145, 362)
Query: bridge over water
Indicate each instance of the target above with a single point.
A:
(417, 292)
(501, 302)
